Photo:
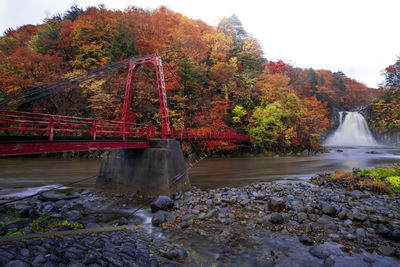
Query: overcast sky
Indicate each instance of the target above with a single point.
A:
(357, 37)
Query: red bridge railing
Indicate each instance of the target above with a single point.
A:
(32, 133)
(18, 123)
(207, 134)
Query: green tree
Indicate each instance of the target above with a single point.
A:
(238, 113)
(312, 80)
(46, 40)
(268, 129)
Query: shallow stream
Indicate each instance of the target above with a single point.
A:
(20, 177)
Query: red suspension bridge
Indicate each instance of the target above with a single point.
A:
(32, 133)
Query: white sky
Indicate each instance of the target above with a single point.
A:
(358, 37)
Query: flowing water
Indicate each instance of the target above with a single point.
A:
(30, 175)
(352, 131)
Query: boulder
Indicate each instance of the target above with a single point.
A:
(395, 235)
(276, 204)
(328, 209)
(161, 203)
(74, 215)
(162, 216)
(277, 218)
(305, 239)
(382, 230)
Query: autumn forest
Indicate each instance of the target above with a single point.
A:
(215, 77)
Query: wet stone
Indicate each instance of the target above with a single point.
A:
(277, 218)
(360, 216)
(161, 203)
(162, 216)
(395, 235)
(382, 230)
(91, 257)
(25, 253)
(324, 219)
(386, 250)
(6, 255)
(318, 252)
(302, 217)
(329, 262)
(38, 260)
(209, 202)
(328, 209)
(276, 204)
(305, 239)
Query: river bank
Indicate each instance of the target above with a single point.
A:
(254, 225)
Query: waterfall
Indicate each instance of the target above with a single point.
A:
(352, 131)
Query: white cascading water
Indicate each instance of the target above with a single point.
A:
(352, 131)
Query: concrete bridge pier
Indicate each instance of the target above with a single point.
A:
(148, 171)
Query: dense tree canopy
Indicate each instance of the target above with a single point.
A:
(385, 117)
(215, 76)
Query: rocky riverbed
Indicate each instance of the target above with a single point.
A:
(265, 224)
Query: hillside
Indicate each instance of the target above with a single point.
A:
(215, 76)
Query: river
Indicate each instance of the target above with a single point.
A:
(20, 177)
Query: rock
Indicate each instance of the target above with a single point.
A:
(74, 215)
(305, 239)
(209, 202)
(244, 202)
(91, 257)
(349, 215)
(161, 203)
(25, 253)
(355, 170)
(360, 216)
(360, 233)
(162, 216)
(313, 217)
(331, 226)
(350, 237)
(23, 210)
(324, 219)
(5, 256)
(348, 222)
(50, 208)
(211, 213)
(328, 209)
(54, 197)
(395, 235)
(382, 230)
(386, 250)
(276, 204)
(301, 217)
(123, 221)
(38, 260)
(342, 214)
(318, 252)
(276, 218)
(112, 258)
(184, 224)
(329, 262)
(356, 194)
(17, 263)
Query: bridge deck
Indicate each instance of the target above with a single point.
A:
(37, 147)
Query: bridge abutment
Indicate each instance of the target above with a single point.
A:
(149, 171)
